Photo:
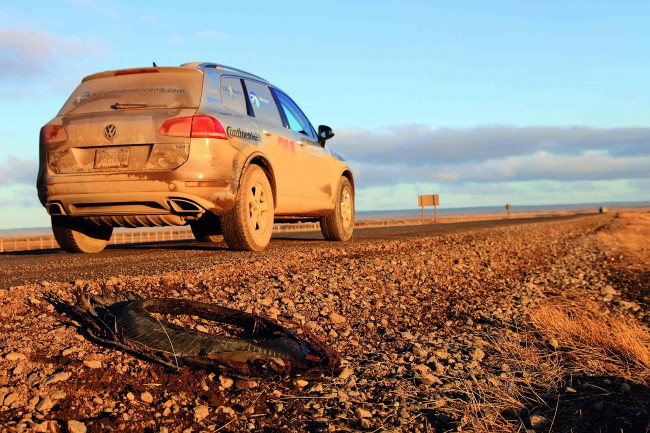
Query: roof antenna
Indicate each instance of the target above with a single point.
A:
(154, 65)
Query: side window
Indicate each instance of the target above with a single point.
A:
(295, 119)
(262, 103)
(232, 94)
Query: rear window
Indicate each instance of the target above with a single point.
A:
(169, 88)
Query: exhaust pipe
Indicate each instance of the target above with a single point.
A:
(56, 208)
(183, 206)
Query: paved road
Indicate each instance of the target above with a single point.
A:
(18, 268)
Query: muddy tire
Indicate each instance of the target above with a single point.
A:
(339, 225)
(207, 228)
(249, 224)
(76, 235)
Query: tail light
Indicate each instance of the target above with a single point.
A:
(54, 134)
(207, 127)
(193, 127)
(177, 127)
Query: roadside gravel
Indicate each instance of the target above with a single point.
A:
(416, 322)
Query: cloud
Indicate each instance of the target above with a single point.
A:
(483, 142)
(543, 165)
(18, 171)
(23, 52)
(26, 53)
(21, 208)
(19, 196)
(417, 153)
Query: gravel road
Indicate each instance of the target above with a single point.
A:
(24, 267)
(417, 314)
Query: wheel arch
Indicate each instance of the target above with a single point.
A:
(347, 173)
(262, 161)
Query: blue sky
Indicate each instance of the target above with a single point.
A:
(485, 103)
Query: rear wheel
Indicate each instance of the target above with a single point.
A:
(207, 228)
(76, 235)
(339, 225)
(249, 224)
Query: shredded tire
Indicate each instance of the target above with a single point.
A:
(262, 346)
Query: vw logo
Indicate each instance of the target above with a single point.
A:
(110, 131)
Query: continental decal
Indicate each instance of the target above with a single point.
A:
(246, 135)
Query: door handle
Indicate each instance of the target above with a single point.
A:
(267, 133)
(302, 142)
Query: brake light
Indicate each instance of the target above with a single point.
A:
(136, 71)
(193, 127)
(54, 134)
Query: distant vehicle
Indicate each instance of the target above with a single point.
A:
(201, 144)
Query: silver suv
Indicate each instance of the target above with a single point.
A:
(201, 144)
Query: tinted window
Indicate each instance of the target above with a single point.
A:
(232, 94)
(262, 102)
(295, 119)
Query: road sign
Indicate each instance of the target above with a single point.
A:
(429, 200)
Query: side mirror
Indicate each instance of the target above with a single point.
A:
(324, 134)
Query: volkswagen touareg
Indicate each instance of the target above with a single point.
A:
(202, 144)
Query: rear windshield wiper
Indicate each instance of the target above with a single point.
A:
(118, 106)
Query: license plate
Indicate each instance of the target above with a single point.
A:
(112, 158)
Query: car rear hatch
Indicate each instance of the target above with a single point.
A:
(115, 122)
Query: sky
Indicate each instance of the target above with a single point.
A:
(483, 103)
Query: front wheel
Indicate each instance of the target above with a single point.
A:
(76, 235)
(249, 224)
(339, 225)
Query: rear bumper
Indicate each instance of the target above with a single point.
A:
(185, 199)
(206, 182)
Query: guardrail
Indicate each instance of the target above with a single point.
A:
(43, 242)
(29, 243)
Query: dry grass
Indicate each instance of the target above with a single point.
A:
(493, 404)
(595, 343)
(627, 236)
(534, 376)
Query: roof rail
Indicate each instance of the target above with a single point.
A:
(218, 66)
